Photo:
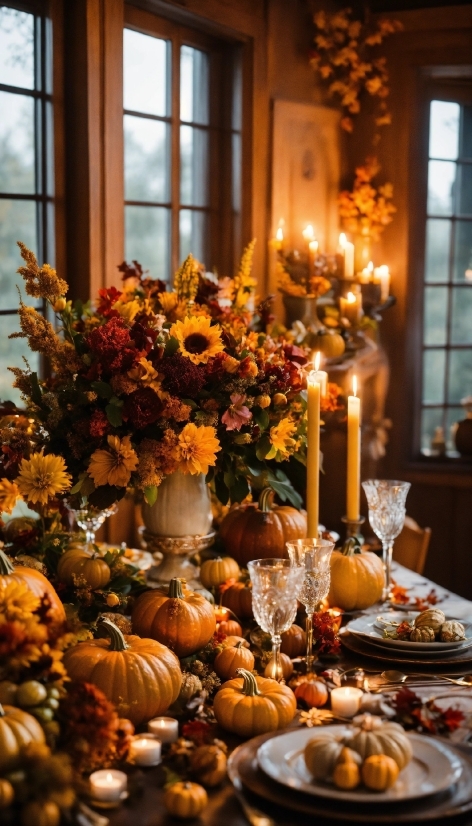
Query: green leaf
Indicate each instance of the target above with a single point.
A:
(191, 403)
(88, 486)
(114, 415)
(262, 418)
(264, 447)
(287, 492)
(77, 486)
(102, 389)
(172, 346)
(116, 401)
(230, 479)
(221, 490)
(239, 490)
(150, 494)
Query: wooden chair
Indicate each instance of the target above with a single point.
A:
(411, 546)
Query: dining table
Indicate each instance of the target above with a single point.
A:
(234, 804)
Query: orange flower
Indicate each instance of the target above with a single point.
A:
(113, 467)
(197, 448)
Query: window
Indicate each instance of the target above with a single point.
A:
(26, 186)
(182, 137)
(447, 291)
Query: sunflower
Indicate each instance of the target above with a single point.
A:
(113, 467)
(9, 493)
(197, 339)
(281, 439)
(196, 449)
(17, 601)
(42, 477)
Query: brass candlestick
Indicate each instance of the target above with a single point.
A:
(353, 528)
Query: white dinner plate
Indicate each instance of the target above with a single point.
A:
(434, 768)
(371, 630)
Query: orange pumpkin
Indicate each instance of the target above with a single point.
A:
(313, 692)
(238, 598)
(35, 581)
(215, 571)
(229, 660)
(357, 579)
(252, 705)
(140, 676)
(293, 641)
(185, 622)
(260, 531)
(286, 664)
(231, 628)
(17, 729)
(80, 562)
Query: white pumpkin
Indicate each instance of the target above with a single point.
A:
(432, 618)
(182, 507)
(322, 753)
(451, 631)
(373, 736)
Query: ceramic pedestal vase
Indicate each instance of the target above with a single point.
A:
(301, 308)
(178, 525)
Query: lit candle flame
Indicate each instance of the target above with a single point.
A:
(342, 240)
(317, 360)
(279, 234)
(308, 233)
(370, 266)
(109, 778)
(351, 298)
(354, 385)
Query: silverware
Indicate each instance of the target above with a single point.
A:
(254, 816)
(393, 676)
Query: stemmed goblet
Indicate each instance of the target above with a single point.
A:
(275, 584)
(313, 557)
(386, 500)
(90, 519)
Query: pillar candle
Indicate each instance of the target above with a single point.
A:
(353, 455)
(351, 307)
(345, 701)
(382, 277)
(312, 253)
(313, 456)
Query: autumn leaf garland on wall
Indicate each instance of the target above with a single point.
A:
(146, 382)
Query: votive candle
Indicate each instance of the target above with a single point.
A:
(108, 785)
(346, 701)
(166, 728)
(146, 750)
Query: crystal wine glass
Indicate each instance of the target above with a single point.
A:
(313, 556)
(275, 584)
(386, 500)
(90, 519)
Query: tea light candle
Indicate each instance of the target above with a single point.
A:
(108, 785)
(166, 728)
(346, 701)
(146, 750)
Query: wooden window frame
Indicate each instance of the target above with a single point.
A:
(224, 244)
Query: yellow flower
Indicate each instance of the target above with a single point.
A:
(127, 309)
(42, 477)
(9, 493)
(17, 601)
(168, 301)
(281, 438)
(113, 467)
(147, 374)
(197, 448)
(197, 339)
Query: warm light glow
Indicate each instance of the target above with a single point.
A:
(308, 233)
(317, 360)
(279, 234)
(351, 298)
(370, 266)
(354, 385)
(109, 778)
(342, 240)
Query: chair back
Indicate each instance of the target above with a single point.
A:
(411, 546)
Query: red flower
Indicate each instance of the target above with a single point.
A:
(181, 378)
(197, 731)
(99, 424)
(108, 296)
(111, 345)
(142, 407)
(143, 336)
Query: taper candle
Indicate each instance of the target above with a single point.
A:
(320, 376)
(347, 250)
(353, 455)
(313, 456)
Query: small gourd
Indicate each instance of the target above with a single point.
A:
(293, 641)
(238, 598)
(30, 693)
(252, 705)
(431, 618)
(314, 693)
(357, 578)
(7, 793)
(331, 344)
(191, 685)
(346, 773)
(322, 754)
(79, 562)
(285, 662)
(379, 772)
(185, 800)
(373, 736)
(422, 634)
(228, 661)
(41, 813)
(451, 631)
(208, 765)
(231, 642)
(214, 572)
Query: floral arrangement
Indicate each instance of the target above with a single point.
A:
(366, 210)
(347, 60)
(147, 382)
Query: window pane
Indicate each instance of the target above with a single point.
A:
(461, 330)
(193, 234)
(460, 375)
(431, 418)
(438, 241)
(193, 166)
(441, 186)
(16, 48)
(194, 85)
(444, 129)
(466, 148)
(16, 143)
(434, 365)
(435, 315)
(17, 221)
(463, 251)
(11, 355)
(465, 192)
(453, 415)
(146, 159)
(147, 238)
(145, 73)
